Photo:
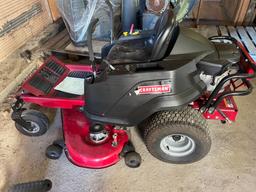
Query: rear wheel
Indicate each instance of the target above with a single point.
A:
(179, 136)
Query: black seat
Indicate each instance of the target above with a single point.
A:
(148, 46)
(225, 56)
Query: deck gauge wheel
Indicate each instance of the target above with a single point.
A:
(54, 151)
(132, 159)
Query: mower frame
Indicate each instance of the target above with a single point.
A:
(216, 106)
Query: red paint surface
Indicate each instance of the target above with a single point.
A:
(54, 102)
(81, 151)
(26, 85)
(79, 67)
(227, 106)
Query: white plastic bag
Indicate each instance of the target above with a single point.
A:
(77, 15)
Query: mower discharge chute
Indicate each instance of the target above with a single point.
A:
(167, 81)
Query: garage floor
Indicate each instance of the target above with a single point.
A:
(230, 166)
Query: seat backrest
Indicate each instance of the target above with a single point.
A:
(165, 32)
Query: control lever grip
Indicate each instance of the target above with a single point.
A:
(91, 29)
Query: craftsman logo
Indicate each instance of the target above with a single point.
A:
(153, 89)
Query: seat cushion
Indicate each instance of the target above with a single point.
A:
(150, 45)
(132, 51)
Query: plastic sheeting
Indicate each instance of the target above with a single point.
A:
(182, 8)
(77, 15)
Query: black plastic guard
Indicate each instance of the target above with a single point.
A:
(117, 99)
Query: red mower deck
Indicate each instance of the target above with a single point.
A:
(81, 151)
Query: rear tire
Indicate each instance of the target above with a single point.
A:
(180, 136)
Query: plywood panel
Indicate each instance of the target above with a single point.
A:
(11, 9)
(242, 11)
(54, 9)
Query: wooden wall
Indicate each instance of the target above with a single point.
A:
(11, 9)
(54, 10)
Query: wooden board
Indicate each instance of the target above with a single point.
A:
(49, 45)
(233, 33)
(97, 46)
(54, 10)
(252, 33)
(223, 31)
(231, 9)
(246, 39)
(63, 43)
(242, 10)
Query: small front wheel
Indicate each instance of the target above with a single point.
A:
(39, 123)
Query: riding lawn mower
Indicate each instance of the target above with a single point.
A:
(167, 82)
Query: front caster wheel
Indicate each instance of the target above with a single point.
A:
(178, 136)
(39, 123)
(132, 159)
(54, 151)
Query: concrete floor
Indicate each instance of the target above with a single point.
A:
(230, 165)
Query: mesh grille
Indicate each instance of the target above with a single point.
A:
(46, 78)
(79, 74)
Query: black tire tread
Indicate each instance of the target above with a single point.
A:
(36, 116)
(174, 119)
(185, 116)
(43, 117)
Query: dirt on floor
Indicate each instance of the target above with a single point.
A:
(17, 153)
